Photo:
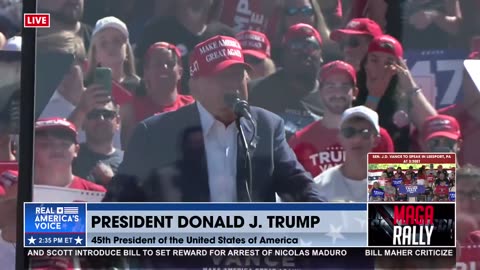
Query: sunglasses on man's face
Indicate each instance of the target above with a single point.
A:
(308, 45)
(350, 132)
(444, 143)
(352, 42)
(101, 114)
(306, 11)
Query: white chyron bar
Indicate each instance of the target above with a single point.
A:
(196, 225)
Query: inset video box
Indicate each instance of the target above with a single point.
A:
(189, 225)
(412, 177)
(411, 225)
(411, 200)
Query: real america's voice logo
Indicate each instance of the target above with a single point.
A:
(55, 225)
(53, 218)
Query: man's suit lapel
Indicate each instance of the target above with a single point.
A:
(194, 169)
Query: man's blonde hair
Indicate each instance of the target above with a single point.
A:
(62, 42)
(268, 67)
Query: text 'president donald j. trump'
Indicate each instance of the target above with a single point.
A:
(195, 154)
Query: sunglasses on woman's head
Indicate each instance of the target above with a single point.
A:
(252, 59)
(350, 132)
(307, 11)
(352, 42)
(105, 114)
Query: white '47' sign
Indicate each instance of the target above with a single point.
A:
(439, 73)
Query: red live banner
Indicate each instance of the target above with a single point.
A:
(36, 20)
(411, 158)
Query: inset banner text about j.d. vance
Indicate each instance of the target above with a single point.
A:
(412, 177)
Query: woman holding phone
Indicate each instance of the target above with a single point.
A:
(387, 86)
(111, 69)
(110, 48)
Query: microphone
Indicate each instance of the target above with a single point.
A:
(240, 107)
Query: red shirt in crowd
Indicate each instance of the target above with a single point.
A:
(430, 179)
(144, 107)
(77, 183)
(407, 181)
(317, 148)
(80, 183)
(442, 190)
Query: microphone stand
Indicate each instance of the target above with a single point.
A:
(248, 159)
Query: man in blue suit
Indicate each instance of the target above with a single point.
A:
(194, 154)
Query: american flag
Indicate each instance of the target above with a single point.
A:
(70, 210)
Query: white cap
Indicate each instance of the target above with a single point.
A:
(362, 112)
(13, 44)
(110, 22)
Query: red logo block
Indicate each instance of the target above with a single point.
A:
(36, 20)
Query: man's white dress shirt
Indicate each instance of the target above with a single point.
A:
(221, 150)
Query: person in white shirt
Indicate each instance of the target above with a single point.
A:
(13, 44)
(359, 134)
(7, 254)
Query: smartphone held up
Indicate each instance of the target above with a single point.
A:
(103, 77)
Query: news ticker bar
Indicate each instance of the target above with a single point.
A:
(263, 258)
(242, 252)
(248, 258)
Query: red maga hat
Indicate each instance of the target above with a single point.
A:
(441, 126)
(254, 43)
(56, 123)
(215, 55)
(338, 66)
(358, 26)
(301, 30)
(164, 45)
(386, 44)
